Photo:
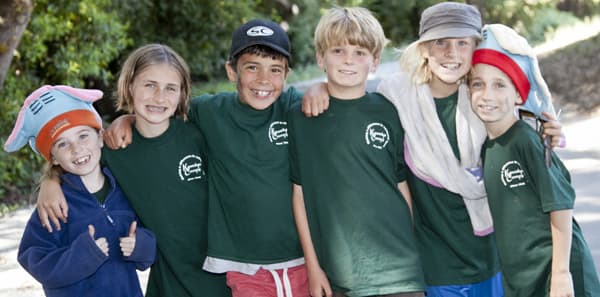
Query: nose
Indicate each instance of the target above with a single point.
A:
(75, 147)
(486, 93)
(348, 58)
(451, 50)
(160, 95)
(263, 75)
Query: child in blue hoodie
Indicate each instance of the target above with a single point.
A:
(98, 251)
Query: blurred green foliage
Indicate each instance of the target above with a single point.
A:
(66, 42)
(82, 43)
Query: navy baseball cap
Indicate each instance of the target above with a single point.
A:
(260, 32)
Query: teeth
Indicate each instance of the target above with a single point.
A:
(156, 108)
(347, 72)
(487, 107)
(262, 93)
(82, 160)
(451, 66)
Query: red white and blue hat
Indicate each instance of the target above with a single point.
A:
(48, 112)
(508, 51)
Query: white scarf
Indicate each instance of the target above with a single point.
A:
(427, 149)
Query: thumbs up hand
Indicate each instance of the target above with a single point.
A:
(100, 242)
(128, 243)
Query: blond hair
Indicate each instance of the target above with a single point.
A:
(350, 25)
(144, 57)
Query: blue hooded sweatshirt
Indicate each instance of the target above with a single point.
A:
(68, 262)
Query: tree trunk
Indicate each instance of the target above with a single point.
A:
(14, 17)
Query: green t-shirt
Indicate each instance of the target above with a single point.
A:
(164, 179)
(349, 161)
(522, 192)
(250, 216)
(450, 252)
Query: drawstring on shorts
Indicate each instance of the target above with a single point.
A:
(286, 283)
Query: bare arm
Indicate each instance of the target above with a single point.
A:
(51, 203)
(315, 100)
(118, 134)
(561, 283)
(403, 187)
(317, 280)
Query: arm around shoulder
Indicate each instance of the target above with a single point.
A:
(51, 203)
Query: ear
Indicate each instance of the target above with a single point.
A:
(423, 50)
(231, 73)
(518, 99)
(375, 64)
(53, 160)
(321, 61)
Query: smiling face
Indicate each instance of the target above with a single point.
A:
(259, 79)
(77, 150)
(449, 60)
(156, 93)
(493, 98)
(347, 67)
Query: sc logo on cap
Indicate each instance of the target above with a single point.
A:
(259, 31)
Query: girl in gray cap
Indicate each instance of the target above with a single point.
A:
(443, 140)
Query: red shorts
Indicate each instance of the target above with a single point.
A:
(289, 282)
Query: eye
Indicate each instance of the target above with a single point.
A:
(60, 144)
(439, 42)
(251, 68)
(172, 89)
(476, 83)
(361, 53)
(277, 70)
(337, 51)
(500, 85)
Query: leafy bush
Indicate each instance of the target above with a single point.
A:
(66, 42)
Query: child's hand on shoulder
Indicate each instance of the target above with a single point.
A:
(100, 242)
(315, 100)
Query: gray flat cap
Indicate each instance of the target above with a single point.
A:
(449, 20)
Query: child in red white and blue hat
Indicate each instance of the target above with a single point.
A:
(98, 251)
(542, 249)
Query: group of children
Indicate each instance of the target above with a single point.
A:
(381, 195)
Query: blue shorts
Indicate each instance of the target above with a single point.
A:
(491, 287)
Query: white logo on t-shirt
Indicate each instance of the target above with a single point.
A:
(259, 31)
(190, 168)
(278, 133)
(512, 174)
(377, 135)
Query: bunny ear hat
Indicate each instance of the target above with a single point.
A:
(505, 49)
(49, 111)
